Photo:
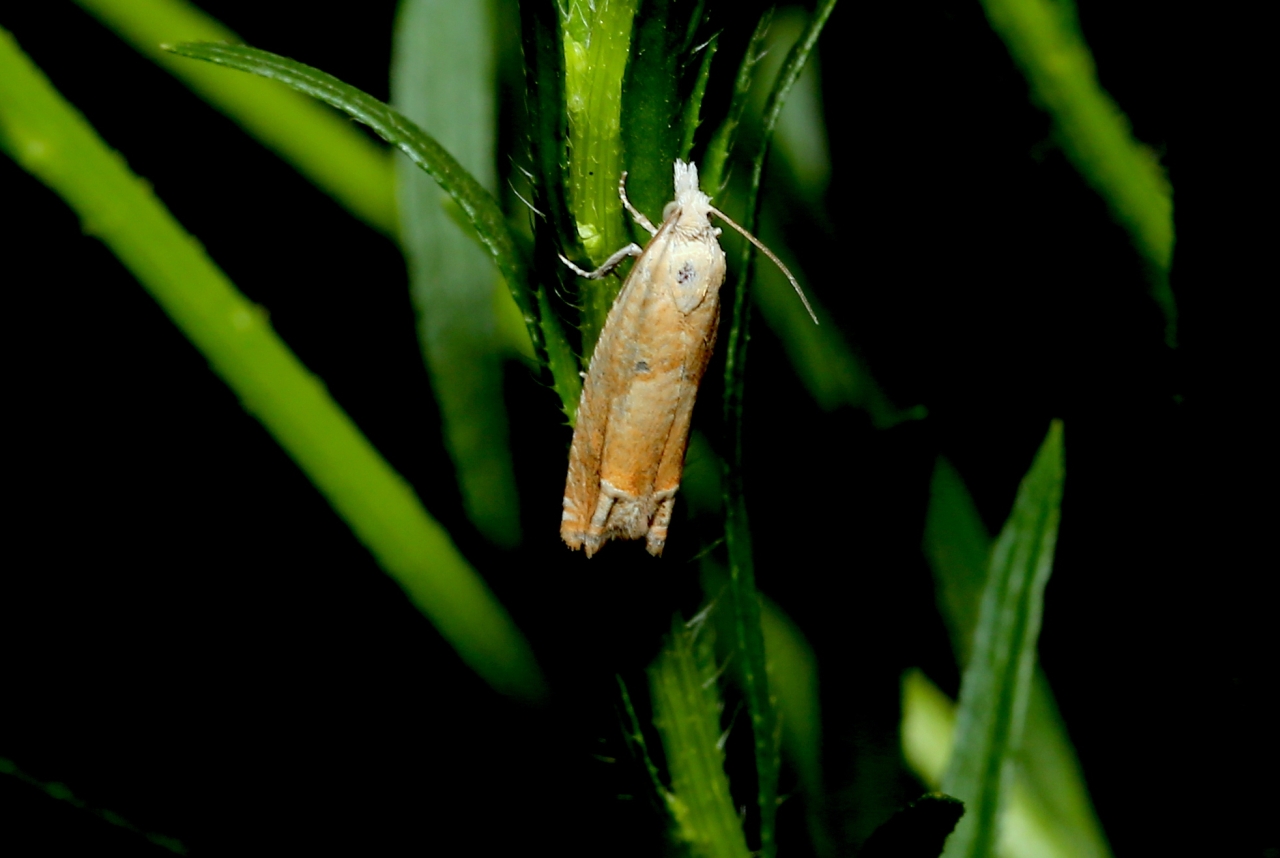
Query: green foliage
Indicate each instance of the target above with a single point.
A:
(50, 139)
(612, 86)
(1049, 811)
(687, 709)
(320, 144)
(478, 205)
(596, 45)
(1043, 36)
(443, 77)
(997, 681)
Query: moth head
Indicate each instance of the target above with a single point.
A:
(691, 205)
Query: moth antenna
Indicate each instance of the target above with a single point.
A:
(769, 253)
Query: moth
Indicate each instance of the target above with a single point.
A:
(637, 399)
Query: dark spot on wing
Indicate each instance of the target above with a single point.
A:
(642, 366)
(686, 273)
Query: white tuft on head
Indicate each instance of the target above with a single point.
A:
(687, 190)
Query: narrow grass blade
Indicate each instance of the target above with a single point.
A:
(548, 172)
(716, 159)
(544, 69)
(443, 77)
(997, 682)
(52, 141)
(319, 143)
(691, 118)
(687, 712)
(478, 206)
(742, 587)
(1051, 801)
(1044, 39)
(800, 144)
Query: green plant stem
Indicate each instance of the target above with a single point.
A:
(742, 587)
(319, 143)
(1044, 39)
(597, 42)
(53, 142)
(686, 710)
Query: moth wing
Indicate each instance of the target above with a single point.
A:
(582, 485)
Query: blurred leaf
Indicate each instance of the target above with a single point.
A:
(319, 143)
(479, 206)
(793, 681)
(1044, 39)
(1039, 821)
(793, 676)
(830, 370)
(691, 118)
(1049, 778)
(716, 159)
(687, 707)
(800, 139)
(443, 77)
(928, 727)
(997, 681)
(52, 141)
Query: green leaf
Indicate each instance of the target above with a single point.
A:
(800, 140)
(712, 171)
(1050, 812)
(48, 138)
(997, 682)
(443, 77)
(1044, 39)
(687, 711)
(478, 205)
(319, 143)
(692, 116)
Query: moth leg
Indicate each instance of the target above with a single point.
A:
(636, 214)
(611, 263)
(604, 506)
(657, 536)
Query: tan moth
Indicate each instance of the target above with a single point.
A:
(637, 399)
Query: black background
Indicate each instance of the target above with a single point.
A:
(193, 640)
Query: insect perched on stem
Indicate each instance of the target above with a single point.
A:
(633, 419)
